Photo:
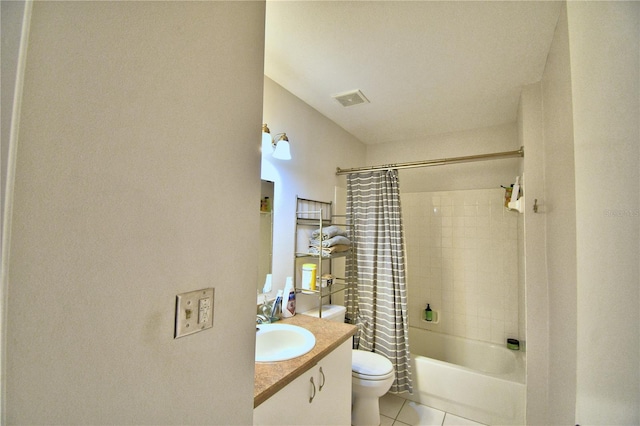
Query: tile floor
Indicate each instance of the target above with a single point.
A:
(397, 411)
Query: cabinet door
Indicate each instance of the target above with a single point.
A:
(333, 383)
(290, 406)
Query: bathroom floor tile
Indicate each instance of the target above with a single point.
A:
(451, 420)
(386, 421)
(390, 405)
(415, 414)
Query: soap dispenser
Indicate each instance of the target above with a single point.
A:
(428, 313)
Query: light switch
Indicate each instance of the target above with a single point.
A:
(187, 304)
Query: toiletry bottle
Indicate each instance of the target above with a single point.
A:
(428, 313)
(267, 284)
(289, 299)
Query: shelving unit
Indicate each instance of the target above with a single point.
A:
(314, 215)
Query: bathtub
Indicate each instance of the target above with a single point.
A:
(472, 379)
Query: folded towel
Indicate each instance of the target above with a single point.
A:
(329, 232)
(333, 241)
(328, 251)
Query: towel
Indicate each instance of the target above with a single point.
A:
(328, 251)
(329, 232)
(333, 241)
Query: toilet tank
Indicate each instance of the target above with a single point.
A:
(334, 313)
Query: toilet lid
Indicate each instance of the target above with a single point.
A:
(370, 364)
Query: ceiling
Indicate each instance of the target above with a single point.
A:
(426, 67)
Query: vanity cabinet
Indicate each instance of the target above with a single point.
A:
(321, 395)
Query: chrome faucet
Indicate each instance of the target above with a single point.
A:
(261, 319)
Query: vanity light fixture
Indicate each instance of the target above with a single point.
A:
(279, 145)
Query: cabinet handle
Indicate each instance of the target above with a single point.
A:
(323, 379)
(314, 391)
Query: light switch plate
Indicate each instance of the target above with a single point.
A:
(194, 312)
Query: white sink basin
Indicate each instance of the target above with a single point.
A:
(280, 342)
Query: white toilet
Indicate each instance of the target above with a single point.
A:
(371, 375)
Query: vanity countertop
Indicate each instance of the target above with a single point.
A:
(270, 377)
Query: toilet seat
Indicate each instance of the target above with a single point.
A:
(370, 366)
(371, 378)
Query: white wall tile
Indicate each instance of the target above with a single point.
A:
(463, 260)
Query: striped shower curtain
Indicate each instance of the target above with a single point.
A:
(379, 305)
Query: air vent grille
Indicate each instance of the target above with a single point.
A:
(355, 97)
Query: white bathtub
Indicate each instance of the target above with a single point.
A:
(468, 378)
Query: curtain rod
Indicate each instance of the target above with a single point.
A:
(439, 162)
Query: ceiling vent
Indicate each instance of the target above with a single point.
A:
(347, 99)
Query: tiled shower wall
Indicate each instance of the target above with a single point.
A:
(462, 258)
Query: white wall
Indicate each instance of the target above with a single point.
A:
(318, 146)
(535, 263)
(604, 52)
(582, 317)
(560, 216)
(550, 238)
(13, 15)
(127, 193)
(479, 175)
(11, 27)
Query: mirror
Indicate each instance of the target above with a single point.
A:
(266, 232)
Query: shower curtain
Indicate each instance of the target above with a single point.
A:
(378, 299)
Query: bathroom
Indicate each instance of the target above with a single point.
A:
(105, 232)
(416, 209)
